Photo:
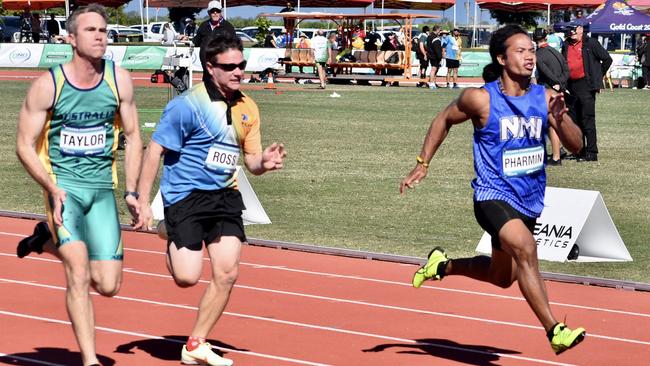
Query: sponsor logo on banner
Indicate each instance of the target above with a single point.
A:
(20, 55)
(267, 59)
(573, 218)
(260, 59)
(55, 54)
(629, 27)
(553, 235)
(143, 57)
(109, 55)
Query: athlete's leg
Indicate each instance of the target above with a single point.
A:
(432, 75)
(224, 259)
(106, 276)
(78, 302)
(500, 269)
(184, 264)
(104, 242)
(517, 240)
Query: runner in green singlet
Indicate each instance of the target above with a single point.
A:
(67, 140)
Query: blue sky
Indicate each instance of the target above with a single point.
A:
(252, 11)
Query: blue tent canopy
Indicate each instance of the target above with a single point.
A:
(616, 16)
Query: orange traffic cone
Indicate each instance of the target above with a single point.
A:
(270, 84)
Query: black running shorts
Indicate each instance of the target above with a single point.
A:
(452, 64)
(492, 215)
(204, 217)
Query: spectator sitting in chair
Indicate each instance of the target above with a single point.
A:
(303, 43)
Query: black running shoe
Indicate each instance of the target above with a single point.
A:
(34, 242)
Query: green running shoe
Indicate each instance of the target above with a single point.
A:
(565, 338)
(431, 269)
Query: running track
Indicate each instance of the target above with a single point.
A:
(295, 308)
(298, 308)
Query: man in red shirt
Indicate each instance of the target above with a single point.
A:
(588, 62)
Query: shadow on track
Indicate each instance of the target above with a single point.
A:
(51, 355)
(164, 349)
(445, 349)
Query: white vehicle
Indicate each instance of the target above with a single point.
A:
(246, 40)
(44, 36)
(154, 32)
(115, 31)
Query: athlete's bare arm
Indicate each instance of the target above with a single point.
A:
(31, 121)
(473, 103)
(150, 165)
(131, 130)
(272, 158)
(568, 132)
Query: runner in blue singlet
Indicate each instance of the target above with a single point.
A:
(511, 118)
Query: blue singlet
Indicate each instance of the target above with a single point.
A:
(509, 151)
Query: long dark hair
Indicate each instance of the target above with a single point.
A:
(498, 47)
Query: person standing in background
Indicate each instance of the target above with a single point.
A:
(452, 46)
(321, 55)
(643, 55)
(53, 29)
(588, 62)
(215, 25)
(552, 72)
(553, 39)
(36, 28)
(434, 52)
(421, 53)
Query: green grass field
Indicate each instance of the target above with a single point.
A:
(347, 155)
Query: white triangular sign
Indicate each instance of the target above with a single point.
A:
(253, 214)
(573, 216)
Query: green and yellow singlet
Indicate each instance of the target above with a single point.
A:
(79, 140)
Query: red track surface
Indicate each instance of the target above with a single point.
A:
(295, 308)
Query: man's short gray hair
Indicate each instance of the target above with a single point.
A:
(72, 23)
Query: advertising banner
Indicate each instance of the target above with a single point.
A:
(143, 57)
(55, 54)
(473, 63)
(261, 59)
(20, 54)
(115, 54)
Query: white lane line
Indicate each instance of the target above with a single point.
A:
(13, 234)
(330, 299)
(334, 275)
(149, 336)
(285, 322)
(27, 359)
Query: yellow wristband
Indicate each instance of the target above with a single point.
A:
(421, 161)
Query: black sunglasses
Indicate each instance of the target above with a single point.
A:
(231, 67)
(214, 10)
